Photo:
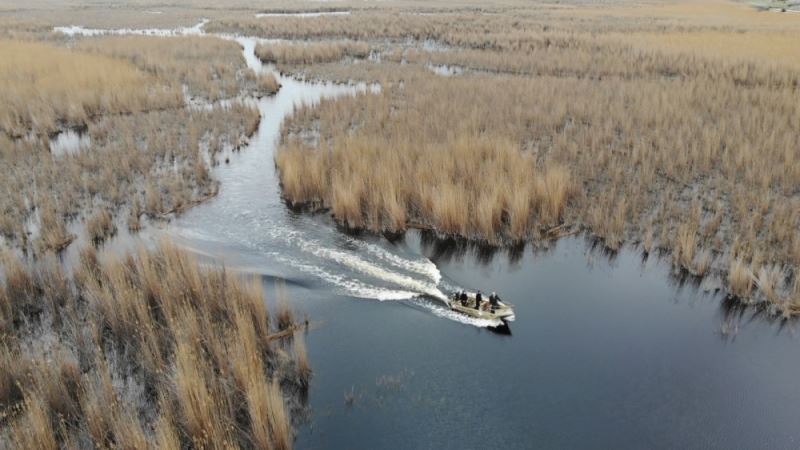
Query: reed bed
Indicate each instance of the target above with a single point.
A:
(46, 88)
(147, 350)
(310, 52)
(671, 144)
(267, 84)
(385, 164)
(361, 25)
(211, 68)
(641, 61)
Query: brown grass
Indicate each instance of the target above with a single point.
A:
(53, 234)
(100, 226)
(210, 67)
(46, 88)
(645, 113)
(185, 329)
(439, 173)
(284, 318)
(310, 53)
(301, 359)
(267, 84)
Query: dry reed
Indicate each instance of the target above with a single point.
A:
(46, 88)
(310, 53)
(100, 226)
(150, 322)
(654, 137)
(209, 67)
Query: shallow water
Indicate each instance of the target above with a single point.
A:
(605, 352)
(78, 30)
(69, 142)
(445, 70)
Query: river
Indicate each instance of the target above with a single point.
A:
(606, 350)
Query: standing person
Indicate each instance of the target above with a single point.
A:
(478, 299)
(463, 298)
(494, 301)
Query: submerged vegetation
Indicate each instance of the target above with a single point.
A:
(147, 350)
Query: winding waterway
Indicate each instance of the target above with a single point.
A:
(607, 350)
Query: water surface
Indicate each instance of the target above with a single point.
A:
(606, 351)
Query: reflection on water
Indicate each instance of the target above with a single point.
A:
(604, 353)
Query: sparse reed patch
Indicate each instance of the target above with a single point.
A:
(100, 226)
(740, 278)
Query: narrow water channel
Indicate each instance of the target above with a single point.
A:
(606, 351)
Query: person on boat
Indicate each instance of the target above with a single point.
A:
(478, 299)
(463, 298)
(494, 300)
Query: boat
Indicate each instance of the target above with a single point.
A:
(502, 311)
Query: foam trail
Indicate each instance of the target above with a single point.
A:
(361, 290)
(373, 270)
(425, 268)
(351, 287)
(356, 262)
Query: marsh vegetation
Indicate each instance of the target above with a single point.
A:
(148, 153)
(146, 349)
(669, 128)
(679, 140)
(140, 351)
(47, 88)
(309, 53)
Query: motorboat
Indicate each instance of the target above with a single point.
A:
(486, 310)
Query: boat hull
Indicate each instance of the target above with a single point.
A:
(502, 311)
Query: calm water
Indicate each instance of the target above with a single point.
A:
(604, 352)
(608, 355)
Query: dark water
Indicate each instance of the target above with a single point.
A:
(610, 353)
